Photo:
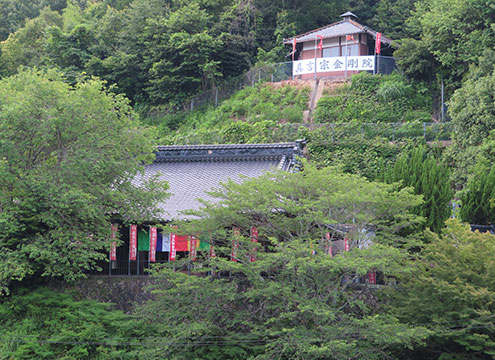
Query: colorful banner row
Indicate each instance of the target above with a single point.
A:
(153, 241)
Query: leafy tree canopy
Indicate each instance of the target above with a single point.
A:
(13, 13)
(445, 37)
(473, 112)
(451, 293)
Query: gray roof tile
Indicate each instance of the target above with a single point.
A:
(192, 171)
(340, 28)
(189, 181)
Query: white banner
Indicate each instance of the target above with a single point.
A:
(165, 243)
(329, 64)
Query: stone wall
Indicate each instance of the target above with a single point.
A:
(125, 292)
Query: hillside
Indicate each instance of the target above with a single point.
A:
(363, 248)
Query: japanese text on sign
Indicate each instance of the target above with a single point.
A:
(329, 64)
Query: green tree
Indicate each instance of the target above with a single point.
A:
(473, 112)
(183, 54)
(445, 37)
(14, 13)
(26, 46)
(67, 159)
(451, 293)
(289, 303)
(391, 16)
(478, 197)
(430, 178)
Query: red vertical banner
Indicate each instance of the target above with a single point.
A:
(346, 244)
(173, 241)
(193, 251)
(132, 242)
(320, 44)
(328, 236)
(294, 41)
(113, 249)
(372, 277)
(212, 250)
(254, 239)
(152, 244)
(378, 43)
(235, 244)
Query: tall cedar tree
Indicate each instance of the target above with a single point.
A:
(478, 198)
(430, 178)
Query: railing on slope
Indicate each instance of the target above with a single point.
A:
(263, 73)
(335, 132)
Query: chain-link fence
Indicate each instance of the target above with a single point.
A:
(385, 65)
(262, 73)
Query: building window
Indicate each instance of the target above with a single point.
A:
(352, 50)
(331, 52)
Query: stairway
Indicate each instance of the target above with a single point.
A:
(319, 85)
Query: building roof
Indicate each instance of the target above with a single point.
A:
(193, 170)
(347, 26)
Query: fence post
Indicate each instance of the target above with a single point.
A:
(216, 97)
(272, 77)
(192, 104)
(424, 131)
(259, 75)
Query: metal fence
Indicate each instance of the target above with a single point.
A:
(335, 132)
(385, 65)
(390, 131)
(264, 73)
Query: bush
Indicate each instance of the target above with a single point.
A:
(44, 324)
(376, 98)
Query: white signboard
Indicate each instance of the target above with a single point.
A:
(328, 64)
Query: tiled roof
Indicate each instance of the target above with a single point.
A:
(340, 28)
(191, 171)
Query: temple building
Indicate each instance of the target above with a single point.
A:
(191, 172)
(340, 50)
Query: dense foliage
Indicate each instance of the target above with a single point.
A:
(70, 144)
(44, 324)
(451, 294)
(371, 99)
(13, 13)
(478, 197)
(163, 52)
(444, 37)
